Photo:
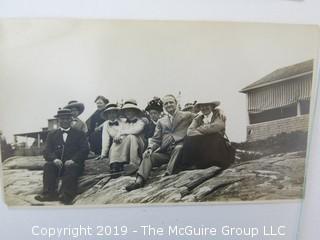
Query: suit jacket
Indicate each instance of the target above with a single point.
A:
(75, 148)
(217, 124)
(168, 133)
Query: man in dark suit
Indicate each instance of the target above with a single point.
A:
(65, 152)
(166, 144)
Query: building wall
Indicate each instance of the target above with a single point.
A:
(272, 128)
(52, 124)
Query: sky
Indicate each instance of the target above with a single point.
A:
(44, 63)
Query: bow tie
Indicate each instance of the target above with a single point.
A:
(115, 123)
(132, 121)
(65, 131)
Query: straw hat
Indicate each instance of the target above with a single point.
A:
(63, 113)
(110, 107)
(131, 106)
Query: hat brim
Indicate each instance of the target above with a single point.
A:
(79, 106)
(131, 107)
(212, 103)
(188, 108)
(108, 110)
(63, 115)
(156, 108)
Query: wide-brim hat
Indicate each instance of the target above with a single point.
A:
(63, 113)
(131, 100)
(77, 105)
(110, 107)
(212, 103)
(131, 106)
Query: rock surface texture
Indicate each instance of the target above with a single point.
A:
(271, 177)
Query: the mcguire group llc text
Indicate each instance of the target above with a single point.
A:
(150, 230)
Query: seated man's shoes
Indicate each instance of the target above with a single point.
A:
(47, 197)
(134, 186)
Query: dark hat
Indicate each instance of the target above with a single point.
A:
(63, 113)
(75, 104)
(155, 104)
(108, 108)
(104, 99)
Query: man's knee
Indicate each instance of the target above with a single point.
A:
(156, 159)
(153, 157)
(71, 166)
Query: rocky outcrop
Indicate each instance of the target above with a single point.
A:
(271, 177)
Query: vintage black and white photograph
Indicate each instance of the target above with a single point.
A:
(124, 112)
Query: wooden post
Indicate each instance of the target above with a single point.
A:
(38, 140)
(298, 108)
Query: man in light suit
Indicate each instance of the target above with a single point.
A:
(166, 144)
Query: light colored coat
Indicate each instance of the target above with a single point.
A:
(167, 132)
(217, 124)
(109, 132)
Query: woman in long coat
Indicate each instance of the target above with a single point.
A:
(205, 145)
(95, 124)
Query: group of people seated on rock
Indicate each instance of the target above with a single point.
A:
(133, 141)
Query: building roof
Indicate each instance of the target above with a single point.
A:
(282, 74)
(43, 134)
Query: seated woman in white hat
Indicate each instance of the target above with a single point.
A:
(129, 143)
(205, 145)
(76, 109)
(111, 127)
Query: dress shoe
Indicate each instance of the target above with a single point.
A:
(46, 197)
(134, 186)
(66, 199)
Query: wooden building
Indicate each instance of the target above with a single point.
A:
(39, 139)
(280, 101)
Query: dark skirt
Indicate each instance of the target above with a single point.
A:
(204, 151)
(95, 140)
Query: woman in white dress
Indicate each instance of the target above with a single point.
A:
(128, 140)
